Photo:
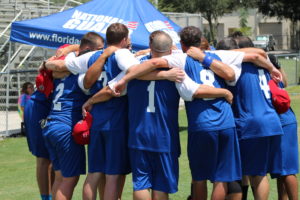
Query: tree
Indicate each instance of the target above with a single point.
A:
(244, 28)
(289, 9)
(211, 10)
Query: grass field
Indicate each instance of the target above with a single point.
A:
(17, 166)
(291, 66)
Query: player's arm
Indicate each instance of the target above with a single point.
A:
(218, 67)
(142, 52)
(60, 75)
(66, 50)
(55, 65)
(284, 77)
(104, 94)
(133, 69)
(95, 70)
(252, 50)
(260, 61)
(206, 91)
(174, 74)
(189, 90)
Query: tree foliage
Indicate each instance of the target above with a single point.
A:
(289, 9)
(211, 10)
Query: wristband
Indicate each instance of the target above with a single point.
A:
(207, 61)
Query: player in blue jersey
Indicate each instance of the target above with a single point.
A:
(180, 62)
(158, 106)
(36, 109)
(219, 65)
(68, 158)
(287, 183)
(254, 113)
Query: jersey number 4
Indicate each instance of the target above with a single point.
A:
(263, 83)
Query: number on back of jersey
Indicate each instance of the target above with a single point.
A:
(59, 89)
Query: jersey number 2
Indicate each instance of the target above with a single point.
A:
(60, 90)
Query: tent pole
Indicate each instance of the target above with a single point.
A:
(7, 89)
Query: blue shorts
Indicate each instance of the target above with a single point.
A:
(214, 155)
(155, 170)
(261, 155)
(33, 113)
(108, 152)
(289, 150)
(65, 154)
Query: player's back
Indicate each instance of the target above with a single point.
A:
(153, 114)
(207, 114)
(253, 110)
(112, 114)
(36, 109)
(68, 99)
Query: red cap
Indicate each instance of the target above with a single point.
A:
(280, 98)
(44, 82)
(81, 130)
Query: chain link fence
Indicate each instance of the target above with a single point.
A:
(23, 68)
(290, 63)
(10, 90)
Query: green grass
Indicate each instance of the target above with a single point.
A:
(290, 66)
(17, 166)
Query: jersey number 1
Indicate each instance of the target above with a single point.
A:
(151, 107)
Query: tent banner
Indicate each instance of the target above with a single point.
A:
(69, 26)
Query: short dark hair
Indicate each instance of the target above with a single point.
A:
(244, 42)
(236, 34)
(25, 86)
(91, 40)
(274, 61)
(204, 44)
(190, 36)
(227, 44)
(115, 33)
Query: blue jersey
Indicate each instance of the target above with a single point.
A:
(68, 99)
(153, 114)
(252, 107)
(289, 116)
(207, 114)
(112, 114)
(36, 109)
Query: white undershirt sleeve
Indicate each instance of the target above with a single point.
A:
(234, 59)
(187, 88)
(176, 59)
(78, 65)
(80, 84)
(113, 82)
(125, 59)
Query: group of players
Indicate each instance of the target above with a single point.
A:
(134, 103)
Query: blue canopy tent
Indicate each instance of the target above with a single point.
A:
(69, 26)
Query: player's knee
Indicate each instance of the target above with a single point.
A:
(234, 187)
